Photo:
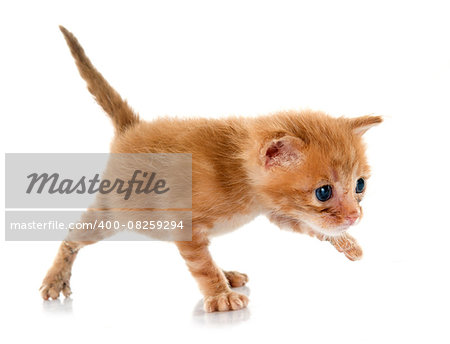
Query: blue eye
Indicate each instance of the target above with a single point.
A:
(324, 193)
(360, 184)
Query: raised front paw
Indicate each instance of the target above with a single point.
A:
(354, 253)
(54, 284)
(236, 279)
(349, 246)
(228, 301)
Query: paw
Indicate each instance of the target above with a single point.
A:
(229, 301)
(349, 246)
(54, 284)
(236, 279)
(354, 253)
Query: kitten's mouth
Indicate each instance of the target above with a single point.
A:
(331, 231)
(337, 231)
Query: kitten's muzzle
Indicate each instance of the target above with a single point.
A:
(351, 219)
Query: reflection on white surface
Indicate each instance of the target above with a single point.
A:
(200, 317)
(58, 306)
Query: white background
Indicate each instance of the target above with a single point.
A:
(191, 58)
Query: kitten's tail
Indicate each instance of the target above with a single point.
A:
(118, 109)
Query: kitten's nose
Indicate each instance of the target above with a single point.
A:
(352, 218)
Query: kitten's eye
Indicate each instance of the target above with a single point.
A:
(324, 193)
(360, 184)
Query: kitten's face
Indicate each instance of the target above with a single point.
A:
(329, 187)
(319, 180)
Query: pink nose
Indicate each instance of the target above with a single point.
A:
(351, 219)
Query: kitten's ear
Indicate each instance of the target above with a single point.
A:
(360, 125)
(285, 151)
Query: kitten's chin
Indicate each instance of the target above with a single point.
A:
(331, 232)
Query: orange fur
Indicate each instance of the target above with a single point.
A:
(267, 165)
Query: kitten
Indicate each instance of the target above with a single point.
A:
(305, 171)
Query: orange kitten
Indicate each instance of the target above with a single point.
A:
(305, 170)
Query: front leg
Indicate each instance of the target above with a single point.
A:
(344, 243)
(348, 245)
(211, 279)
(236, 279)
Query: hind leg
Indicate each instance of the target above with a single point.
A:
(57, 279)
(58, 276)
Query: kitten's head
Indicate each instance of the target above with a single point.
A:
(314, 170)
